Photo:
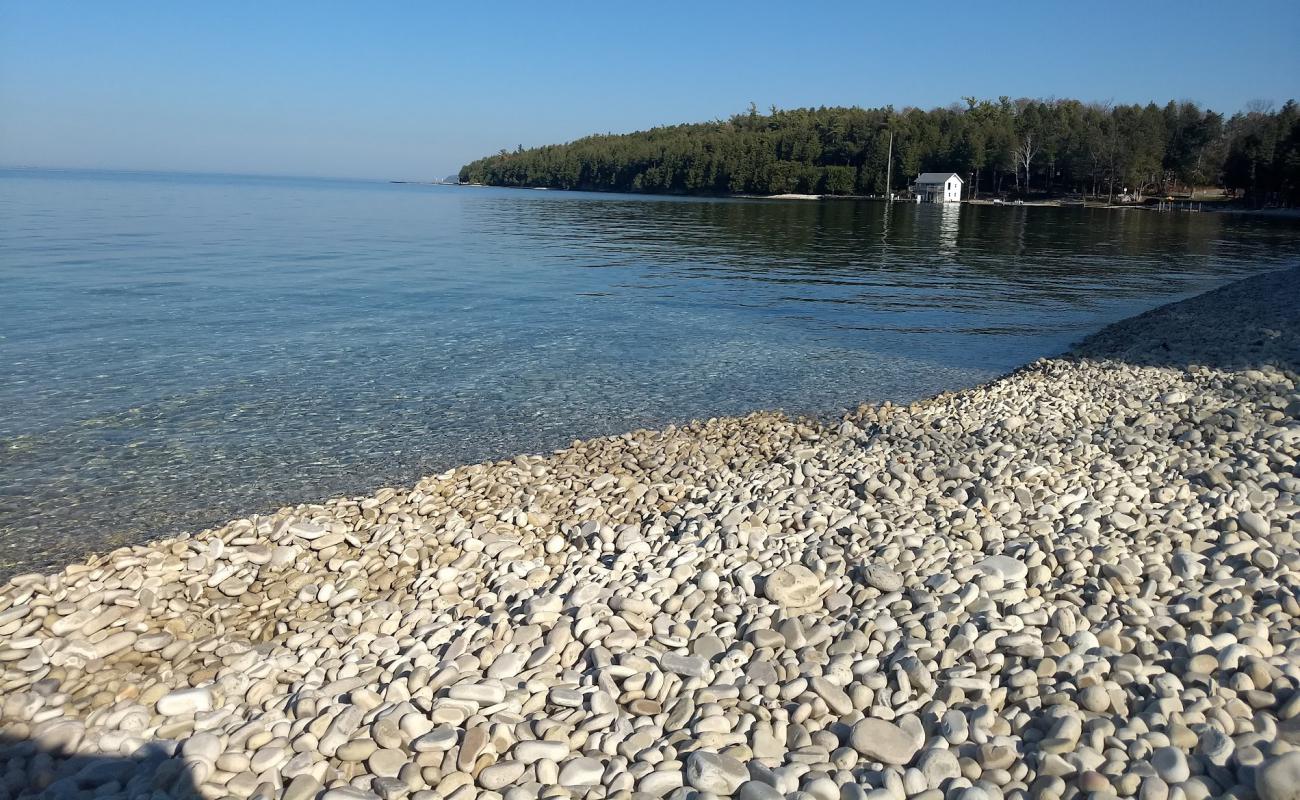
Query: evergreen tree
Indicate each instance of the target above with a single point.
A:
(1040, 146)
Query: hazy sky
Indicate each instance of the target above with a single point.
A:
(413, 90)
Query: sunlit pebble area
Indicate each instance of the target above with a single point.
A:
(1078, 580)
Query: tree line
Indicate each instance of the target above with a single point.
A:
(1000, 147)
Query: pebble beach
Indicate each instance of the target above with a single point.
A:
(1079, 580)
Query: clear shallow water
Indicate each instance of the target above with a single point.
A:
(178, 350)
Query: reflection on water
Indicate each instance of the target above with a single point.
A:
(182, 349)
(949, 225)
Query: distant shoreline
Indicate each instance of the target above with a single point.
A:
(1206, 206)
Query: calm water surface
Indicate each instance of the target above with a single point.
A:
(178, 350)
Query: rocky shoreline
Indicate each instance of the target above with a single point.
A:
(1078, 580)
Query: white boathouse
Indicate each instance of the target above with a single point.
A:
(937, 187)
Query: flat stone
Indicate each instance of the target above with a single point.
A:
(438, 740)
(565, 697)
(59, 735)
(1253, 523)
(481, 693)
(761, 673)
(302, 787)
(882, 741)
(507, 665)
(269, 757)
(581, 772)
(1279, 778)
(530, 751)
(765, 637)
(836, 698)
(938, 766)
(644, 707)
(1005, 567)
(66, 625)
(114, 643)
(386, 763)
(660, 782)
(757, 790)
(714, 772)
(204, 747)
(688, 666)
(386, 733)
(473, 744)
(793, 586)
(707, 647)
(356, 750)
(185, 701)
(308, 530)
(995, 756)
(882, 578)
(153, 642)
(501, 774)
(1171, 764)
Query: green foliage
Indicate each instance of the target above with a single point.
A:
(1263, 153)
(1042, 146)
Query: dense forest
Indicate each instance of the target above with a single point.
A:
(1000, 148)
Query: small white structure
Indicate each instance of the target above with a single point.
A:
(937, 187)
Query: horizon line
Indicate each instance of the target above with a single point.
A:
(202, 172)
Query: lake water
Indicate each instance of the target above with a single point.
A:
(177, 350)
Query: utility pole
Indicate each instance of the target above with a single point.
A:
(889, 168)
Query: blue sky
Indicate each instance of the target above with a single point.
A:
(413, 90)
